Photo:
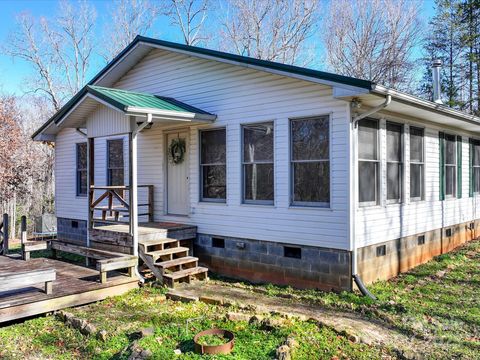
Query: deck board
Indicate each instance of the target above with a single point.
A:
(75, 285)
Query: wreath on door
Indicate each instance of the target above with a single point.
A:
(176, 150)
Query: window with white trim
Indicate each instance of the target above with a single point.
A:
(417, 164)
(81, 149)
(213, 165)
(394, 162)
(310, 161)
(368, 162)
(450, 164)
(475, 151)
(115, 163)
(257, 159)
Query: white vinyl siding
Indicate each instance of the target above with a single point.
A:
(392, 221)
(240, 96)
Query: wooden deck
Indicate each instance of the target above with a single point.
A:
(74, 285)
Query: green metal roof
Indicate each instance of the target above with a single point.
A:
(123, 99)
(202, 51)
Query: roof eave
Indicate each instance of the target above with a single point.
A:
(425, 104)
(170, 115)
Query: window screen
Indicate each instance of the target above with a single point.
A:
(213, 169)
(368, 162)
(450, 157)
(417, 163)
(394, 162)
(82, 169)
(116, 171)
(310, 165)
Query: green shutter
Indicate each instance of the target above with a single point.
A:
(459, 167)
(441, 141)
(470, 168)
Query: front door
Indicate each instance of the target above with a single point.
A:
(178, 202)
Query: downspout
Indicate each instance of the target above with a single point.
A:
(354, 197)
(134, 190)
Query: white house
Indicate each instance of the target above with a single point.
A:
(289, 175)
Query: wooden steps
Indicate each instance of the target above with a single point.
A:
(170, 262)
(168, 254)
(187, 275)
(161, 247)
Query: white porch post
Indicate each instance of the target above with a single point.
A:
(133, 194)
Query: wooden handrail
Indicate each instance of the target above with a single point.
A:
(117, 203)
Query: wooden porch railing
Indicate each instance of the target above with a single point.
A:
(113, 204)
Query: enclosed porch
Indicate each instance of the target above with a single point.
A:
(127, 211)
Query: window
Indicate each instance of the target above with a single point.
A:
(115, 165)
(258, 173)
(475, 163)
(417, 164)
(213, 169)
(450, 157)
(368, 162)
(394, 162)
(82, 169)
(310, 161)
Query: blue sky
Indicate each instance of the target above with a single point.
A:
(13, 72)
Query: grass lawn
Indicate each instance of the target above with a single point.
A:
(438, 302)
(174, 324)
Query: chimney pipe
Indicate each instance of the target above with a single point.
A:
(436, 66)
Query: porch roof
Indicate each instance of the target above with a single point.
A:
(127, 100)
(76, 111)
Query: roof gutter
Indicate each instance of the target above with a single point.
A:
(356, 119)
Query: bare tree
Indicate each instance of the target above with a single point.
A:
(59, 50)
(275, 30)
(372, 39)
(189, 16)
(129, 18)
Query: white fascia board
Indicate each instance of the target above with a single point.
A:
(116, 64)
(429, 105)
(168, 114)
(45, 137)
(62, 119)
(342, 92)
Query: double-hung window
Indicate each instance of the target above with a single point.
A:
(213, 168)
(475, 164)
(450, 165)
(417, 164)
(115, 163)
(310, 162)
(368, 162)
(258, 169)
(81, 169)
(394, 162)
